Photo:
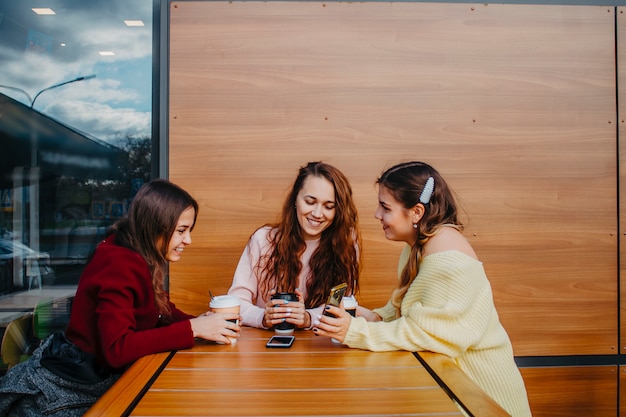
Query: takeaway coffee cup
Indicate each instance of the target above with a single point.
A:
(284, 327)
(226, 304)
(350, 304)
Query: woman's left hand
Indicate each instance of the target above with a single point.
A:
(335, 327)
(299, 315)
(278, 310)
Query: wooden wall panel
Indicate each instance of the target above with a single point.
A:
(514, 104)
(622, 391)
(621, 111)
(589, 391)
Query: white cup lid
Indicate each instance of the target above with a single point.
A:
(222, 301)
(349, 302)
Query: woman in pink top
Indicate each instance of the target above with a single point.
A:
(312, 247)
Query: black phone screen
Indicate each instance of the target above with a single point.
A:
(280, 341)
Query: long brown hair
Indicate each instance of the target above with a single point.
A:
(336, 260)
(148, 227)
(406, 182)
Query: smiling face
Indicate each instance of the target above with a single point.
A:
(315, 206)
(397, 220)
(181, 236)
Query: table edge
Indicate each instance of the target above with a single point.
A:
(459, 387)
(133, 383)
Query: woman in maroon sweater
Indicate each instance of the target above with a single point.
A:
(120, 313)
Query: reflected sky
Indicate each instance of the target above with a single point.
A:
(38, 51)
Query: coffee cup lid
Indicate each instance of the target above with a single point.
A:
(349, 301)
(291, 296)
(221, 301)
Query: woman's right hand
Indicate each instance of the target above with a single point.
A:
(216, 326)
(278, 311)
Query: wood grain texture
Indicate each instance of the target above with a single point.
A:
(589, 391)
(463, 391)
(622, 391)
(314, 377)
(621, 112)
(116, 401)
(514, 104)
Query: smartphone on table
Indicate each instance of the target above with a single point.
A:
(335, 296)
(280, 341)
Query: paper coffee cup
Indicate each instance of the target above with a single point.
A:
(284, 327)
(350, 304)
(226, 304)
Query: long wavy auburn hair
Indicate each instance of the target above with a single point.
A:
(405, 183)
(336, 260)
(147, 229)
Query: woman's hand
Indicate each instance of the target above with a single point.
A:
(335, 327)
(217, 327)
(367, 314)
(278, 311)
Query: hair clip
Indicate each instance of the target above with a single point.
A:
(427, 192)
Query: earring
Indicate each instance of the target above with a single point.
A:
(414, 225)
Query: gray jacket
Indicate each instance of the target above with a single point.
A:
(30, 390)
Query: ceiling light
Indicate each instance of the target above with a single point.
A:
(106, 53)
(133, 23)
(43, 10)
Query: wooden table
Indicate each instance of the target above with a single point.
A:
(314, 377)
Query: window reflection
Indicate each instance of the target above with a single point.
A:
(75, 126)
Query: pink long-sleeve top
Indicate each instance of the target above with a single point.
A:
(245, 283)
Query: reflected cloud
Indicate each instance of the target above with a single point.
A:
(105, 122)
(117, 103)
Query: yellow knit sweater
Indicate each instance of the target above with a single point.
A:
(449, 309)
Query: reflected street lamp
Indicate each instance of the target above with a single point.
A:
(32, 101)
(82, 78)
(8, 87)
(27, 179)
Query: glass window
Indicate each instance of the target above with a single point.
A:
(75, 128)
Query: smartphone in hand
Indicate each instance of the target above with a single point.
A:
(335, 296)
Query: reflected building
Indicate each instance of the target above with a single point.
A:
(45, 173)
(70, 164)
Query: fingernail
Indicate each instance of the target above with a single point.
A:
(285, 301)
(327, 308)
(288, 310)
(319, 317)
(316, 322)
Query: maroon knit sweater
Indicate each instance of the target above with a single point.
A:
(114, 315)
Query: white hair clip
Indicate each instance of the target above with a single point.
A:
(427, 192)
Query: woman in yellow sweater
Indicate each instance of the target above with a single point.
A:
(443, 302)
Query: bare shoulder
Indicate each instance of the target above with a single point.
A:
(449, 238)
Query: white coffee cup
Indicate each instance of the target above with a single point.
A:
(226, 304)
(349, 304)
